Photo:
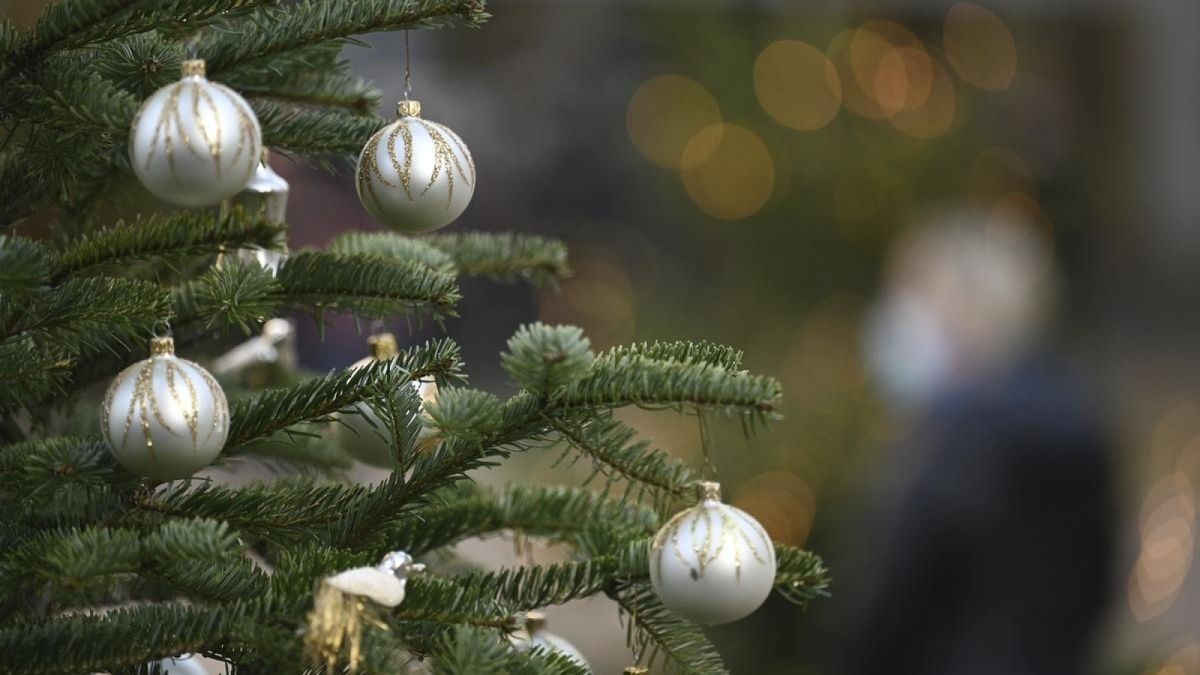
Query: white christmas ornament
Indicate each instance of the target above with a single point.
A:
(366, 436)
(165, 417)
(536, 635)
(385, 583)
(415, 175)
(184, 664)
(194, 142)
(712, 563)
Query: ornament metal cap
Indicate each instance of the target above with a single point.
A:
(191, 67)
(535, 620)
(162, 346)
(383, 346)
(707, 489)
(407, 108)
(636, 670)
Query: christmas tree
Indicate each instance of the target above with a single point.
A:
(117, 558)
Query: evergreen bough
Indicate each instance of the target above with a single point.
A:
(103, 570)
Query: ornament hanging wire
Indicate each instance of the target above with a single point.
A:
(407, 69)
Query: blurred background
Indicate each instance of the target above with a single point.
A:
(778, 176)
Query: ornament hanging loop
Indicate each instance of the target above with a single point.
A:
(161, 329)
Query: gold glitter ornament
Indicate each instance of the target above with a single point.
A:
(364, 436)
(164, 417)
(194, 142)
(415, 175)
(712, 563)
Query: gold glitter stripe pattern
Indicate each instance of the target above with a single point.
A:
(144, 404)
(721, 527)
(446, 161)
(171, 123)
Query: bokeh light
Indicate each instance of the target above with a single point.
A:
(980, 47)
(782, 501)
(1183, 661)
(996, 173)
(797, 85)
(823, 363)
(1167, 529)
(599, 298)
(937, 113)
(728, 171)
(665, 113)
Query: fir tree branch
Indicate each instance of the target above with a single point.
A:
(316, 400)
(505, 257)
(275, 30)
(474, 651)
(543, 358)
(24, 266)
(641, 381)
(556, 513)
(125, 637)
(314, 133)
(237, 293)
(618, 454)
(174, 235)
(76, 565)
(655, 632)
(391, 245)
(62, 481)
(67, 24)
(86, 314)
(336, 88)
(369, 285)
(677, 351)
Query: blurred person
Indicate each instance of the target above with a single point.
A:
(994, 545)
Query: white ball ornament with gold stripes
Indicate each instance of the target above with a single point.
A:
(712, 563)
(195, 142)
(415, 175)
(165, 417)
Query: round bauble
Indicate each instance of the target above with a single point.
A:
(165, 417)
(194, 142)
(536, 635)
(184, 664)
(365, 436)
(415, 175)
(712, 563)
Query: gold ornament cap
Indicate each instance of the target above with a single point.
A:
(383, 346)
(535, 621)
(407, 108)
(708, 490)
(636, 670)
(191, 67)
(162, 346)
